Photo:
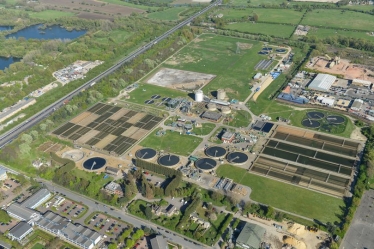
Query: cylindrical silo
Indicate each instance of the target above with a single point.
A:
(212, 107)
(199, 96)
(225, 110)
(221, 94)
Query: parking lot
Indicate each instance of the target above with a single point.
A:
(67, 208)
(106, 225)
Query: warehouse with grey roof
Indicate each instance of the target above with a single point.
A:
(251, 236)
(322, 82)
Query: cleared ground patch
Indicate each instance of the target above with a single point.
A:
(172, 142)
(264, 15)
(276, 30)
(180, 79)
(343, 19)
(171, 14)
(218, 55)
(285, 196)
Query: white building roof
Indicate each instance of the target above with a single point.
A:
(328, 101)
(322, 82)
(357, 104)
(362, 82)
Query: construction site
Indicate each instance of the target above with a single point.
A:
(309, 159)
(338, 66)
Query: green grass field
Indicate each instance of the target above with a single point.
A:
(359, 7)
(285, 196)
(172, 142)
(205, 129)
(171, 14)
(217, 55)
(276, 30)
(342, 19)
(124, 3)
(265, 15)
(145, 91)
(241, 119)
(324, 33)
(50, 14)
(254, 2)
(38, 246)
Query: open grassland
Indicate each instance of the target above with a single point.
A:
(325, 33)
(241, 118)
(50, 14)
(145, 91)
(217, 55)
(172, 142)
(204, 130)
(343, 19)
(265, 15)
(276, 30)
(359, 7)
(124, 3)
(171, 14)
(285, 196)
(254, 2)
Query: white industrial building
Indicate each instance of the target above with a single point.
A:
(359, 82)
(322, 82)
(328, 101)
(357, 105)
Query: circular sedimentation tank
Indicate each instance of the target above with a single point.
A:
(315, 115)
(205, 164)
(94, 163)
(310, 123)
(237, 157)
(168, 160)
(145, 153)
(334, 119)
(149, 102)
(215, 151)
(156, 96)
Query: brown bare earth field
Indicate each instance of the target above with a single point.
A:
(90, 9)
(105, 141)
(80, 117)
(130, 131)
(349, 70)
(88, 119)
(136, 118)
(43, 147)
(119, 114)
(139, 134)
(88, 136)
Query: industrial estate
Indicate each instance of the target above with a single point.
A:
(186, 124)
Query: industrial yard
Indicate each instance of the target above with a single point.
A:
(75, 71)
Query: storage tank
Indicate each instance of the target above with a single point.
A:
(199, 96)
(225, 110)
(212, 107)
(221, 94)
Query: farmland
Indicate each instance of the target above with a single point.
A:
(276, 30)
(217, 55)
(264, 15)
(171, 14)
(50, 14)
(285, 196)
(343, 19)
(325, 33)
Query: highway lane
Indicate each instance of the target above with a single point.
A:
(36, 118)
(93, 206)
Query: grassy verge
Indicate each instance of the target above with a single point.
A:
(285, 196)
(276, 30)
(172, 142)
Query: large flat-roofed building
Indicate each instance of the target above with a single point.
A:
(251, 236)
(20, 231)
(213, 116)
(74, 233)
(21, 213)
(36, 199)
(322, 82)
(357, 105)
(114, 189)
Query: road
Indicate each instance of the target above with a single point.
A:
(36, 118)
(93, 206)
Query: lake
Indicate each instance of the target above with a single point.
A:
(5, 61)
(52, 32)
(2, 28)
